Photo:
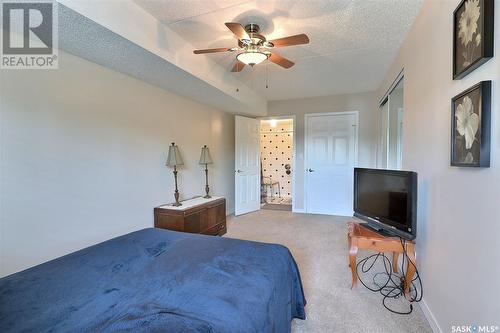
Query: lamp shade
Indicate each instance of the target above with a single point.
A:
(174, 156)
(205, 157)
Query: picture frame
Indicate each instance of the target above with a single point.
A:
(472, 35)
(471, 127)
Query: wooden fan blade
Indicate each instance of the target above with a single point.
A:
(291, 40)
(238, 30)
(238, 66)
(222, 49)
(279, 60)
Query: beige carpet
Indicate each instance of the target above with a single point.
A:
(319, 245)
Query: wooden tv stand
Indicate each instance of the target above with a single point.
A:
(360, 237)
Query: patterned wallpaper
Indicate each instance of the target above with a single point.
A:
(276, 147)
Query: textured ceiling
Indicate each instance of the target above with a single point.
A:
(353, 42)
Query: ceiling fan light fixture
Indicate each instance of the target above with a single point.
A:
(252, 58)
(253, 48)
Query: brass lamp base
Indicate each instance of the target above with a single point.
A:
(176, 193)
(207, 196)
(207, 189)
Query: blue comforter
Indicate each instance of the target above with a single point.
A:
(156, 280)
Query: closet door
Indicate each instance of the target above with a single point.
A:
(331, 154)
(390, 151)
(384, 136)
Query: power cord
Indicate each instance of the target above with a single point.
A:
(393, 287)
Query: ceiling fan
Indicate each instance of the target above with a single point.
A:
(254, 48)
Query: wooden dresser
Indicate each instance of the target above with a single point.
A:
(197, 215)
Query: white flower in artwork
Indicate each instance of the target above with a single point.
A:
(469, 158)
(478, 39)
(467, 25)
(467, 121)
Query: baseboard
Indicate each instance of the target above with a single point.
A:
(429, 316)
(295, 210)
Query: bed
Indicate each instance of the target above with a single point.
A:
(155, 280)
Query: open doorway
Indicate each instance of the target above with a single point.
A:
(277, 163)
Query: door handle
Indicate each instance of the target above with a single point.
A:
(239, 171)
(311, 170)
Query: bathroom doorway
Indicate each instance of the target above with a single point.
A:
(277, 150)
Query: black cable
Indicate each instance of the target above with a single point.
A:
(393, 287)
(419, 296)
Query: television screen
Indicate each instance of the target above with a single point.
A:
(386, 199)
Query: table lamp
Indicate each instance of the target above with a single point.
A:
(205, 159)
(173, 160)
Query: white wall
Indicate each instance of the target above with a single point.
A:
(368, 133)
(83, 153)
(458, 239)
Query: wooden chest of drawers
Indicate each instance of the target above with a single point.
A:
(197, 215)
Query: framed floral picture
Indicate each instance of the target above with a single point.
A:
(472, 36)
(470, 126)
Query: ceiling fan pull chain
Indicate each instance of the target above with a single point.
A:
(267, 75)
(251, 77)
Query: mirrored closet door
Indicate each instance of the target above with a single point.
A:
(390, 152)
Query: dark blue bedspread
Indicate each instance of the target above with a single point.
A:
(156, 280)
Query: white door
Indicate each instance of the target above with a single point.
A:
(247, 165)
(331, 154)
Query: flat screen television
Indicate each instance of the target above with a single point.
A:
(387, 200)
